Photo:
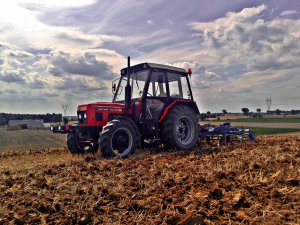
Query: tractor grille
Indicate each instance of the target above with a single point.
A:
(81, 117)
(99, 117)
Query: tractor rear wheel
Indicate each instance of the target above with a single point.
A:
(180, 128)
(118, 139)
(75, 147)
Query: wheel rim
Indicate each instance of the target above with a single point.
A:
(121, 141)
(185, 130)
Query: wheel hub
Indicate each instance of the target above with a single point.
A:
(184, 130)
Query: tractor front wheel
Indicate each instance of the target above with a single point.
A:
(118, 139)
(180, 128)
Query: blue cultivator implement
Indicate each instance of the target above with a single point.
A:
(225, 134)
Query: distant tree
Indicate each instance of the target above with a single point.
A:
(293, 112)
(224, 111)
(245, 111)
(278, 111)
(208, 112)
(203, 116)
(2, 120)
(258, 111)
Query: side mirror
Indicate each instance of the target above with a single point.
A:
(114, 88)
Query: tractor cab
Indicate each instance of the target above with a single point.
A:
(154, 86)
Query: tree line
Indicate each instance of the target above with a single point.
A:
(48, 118)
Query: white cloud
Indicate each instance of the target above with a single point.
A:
(31, 74)
(24, 29)
(150, 22)
(268, 49)
(247, 38)
(288, 13)
(57, 3)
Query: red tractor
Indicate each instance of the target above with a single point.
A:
(152, 104)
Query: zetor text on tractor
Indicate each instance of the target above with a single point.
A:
(152, 103)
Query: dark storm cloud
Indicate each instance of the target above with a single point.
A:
(86, 65)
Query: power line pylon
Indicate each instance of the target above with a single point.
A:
(269, 103)
(65, 108)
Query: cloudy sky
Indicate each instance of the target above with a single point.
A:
(67, 51)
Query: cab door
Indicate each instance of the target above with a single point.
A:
(154, 101)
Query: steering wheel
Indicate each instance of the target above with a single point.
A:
(148, 94)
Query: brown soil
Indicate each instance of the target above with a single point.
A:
(245, 183)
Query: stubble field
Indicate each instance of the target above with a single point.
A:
(245, 183)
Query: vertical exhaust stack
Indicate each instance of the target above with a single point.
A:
(128, 89)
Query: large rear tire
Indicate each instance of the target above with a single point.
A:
(76, 148)
(180, 128)
(118, 138)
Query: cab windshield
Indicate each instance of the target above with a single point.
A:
(137, 82)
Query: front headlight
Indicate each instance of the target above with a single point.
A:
(79, 116)
(59, 128)
(84, 115)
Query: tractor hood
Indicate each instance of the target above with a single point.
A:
(103, 107)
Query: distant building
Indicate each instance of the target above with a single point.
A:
(30, 124)
(46, 125)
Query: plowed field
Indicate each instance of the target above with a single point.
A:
(245, 183)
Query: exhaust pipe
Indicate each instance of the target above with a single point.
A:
(128, 89)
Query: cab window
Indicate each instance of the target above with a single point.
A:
(138, 83)
(157, 85)
(178, 86)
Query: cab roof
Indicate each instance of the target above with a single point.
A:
(147, 65)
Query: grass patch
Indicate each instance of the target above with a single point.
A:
(269, 131)
(266, 120)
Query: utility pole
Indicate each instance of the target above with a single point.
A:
(269, 103)
(65, 108)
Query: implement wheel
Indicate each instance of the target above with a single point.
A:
(118, 139)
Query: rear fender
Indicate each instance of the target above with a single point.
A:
(188, 103)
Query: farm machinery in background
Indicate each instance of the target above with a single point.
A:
(153, 104)
(225, 134)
